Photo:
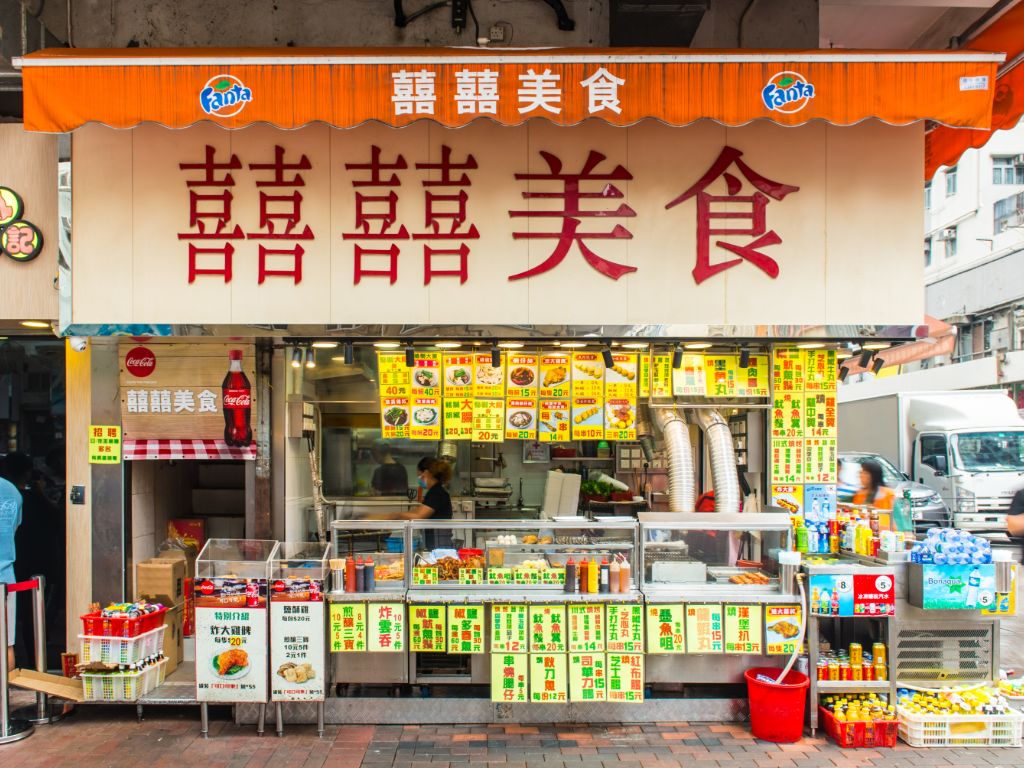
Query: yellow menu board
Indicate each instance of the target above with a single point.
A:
(752, 381)
(744, 629)
(820, 460)
(458, 396)
(625, 678)
(465, 629)
(788, 370)
(549, 682)
(395, 389)
(509, 629)
(588, 678)
(520, 419)
(704, 628)
(660, 376)
(488, 381)
(789, 498)
(720, 372)
(553, 421)
(788, 414)
(426, 374)
(522, 375)
(644, 374)
(556, 375)
(626, 627)
(688, 380)
(787, 461)
(425, 401)
(820, 414)
(782, 625)
(620, 388)
(547, 629)
(587, 396)
(348, 627)
(387, 627)
(488, 421)
(666, 629)
(427, 629)
(509, 673)
(820, 370)
(586, 627)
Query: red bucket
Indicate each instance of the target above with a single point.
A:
(777, 709)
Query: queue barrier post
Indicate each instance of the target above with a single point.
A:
(11, 729)
(46, 710)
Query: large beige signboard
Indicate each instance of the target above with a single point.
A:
(486, 224)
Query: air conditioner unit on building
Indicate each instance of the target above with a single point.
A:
(1018, 160)
(949, 233)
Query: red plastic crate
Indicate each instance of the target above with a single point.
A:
(97, 625)
(882, 733)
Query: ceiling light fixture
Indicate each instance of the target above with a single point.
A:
(495, 357)
(573, 344)
(843, 372)
(865, 358)
(811, 345)
(606, 356)
(635, 345)
(843, 354)
(448, 344)
(877, 365)
(296, 357)
(677, 357)
(410, 356)
(34, 324)
(876, 345)
(744, 358)
(386, 344)
(310, 358)
(698, 345)
(511, 345)
(325, 344)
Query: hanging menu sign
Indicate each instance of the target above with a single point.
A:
(386, 627)
(520, 419)
(231, 640)
(553, 421)
(588, 678)
(547, 629)
(458, 396)
(787, 461)
(720, 372)
(644, 375)
(753, 380)
(465, 629)
(744, 629)
(549, 682)
(782, 626)
(509, 629)
(666, 629)
(626, 627)
(297, 658)
(427, 629)
(704, 628)
(820, 460)
(788, 370)
(625, 678)
(661, 376)
(587, 396)
(425, 401)
(395, 391)
(620, 388)
(509, 677)
(348, 627)
(789, 498)
(689, 380)
(788, 415)
(488, 421)
(489, 381)
(522, 376)
(586, 627)
(820, 414)
(555, 373)
(820, 370)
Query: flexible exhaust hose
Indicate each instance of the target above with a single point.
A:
(724, 475)
(682, 490)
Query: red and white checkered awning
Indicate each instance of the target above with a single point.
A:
(153, 450)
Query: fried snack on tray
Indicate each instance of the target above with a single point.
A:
(785, 629)
(749, 578)
(448, 568)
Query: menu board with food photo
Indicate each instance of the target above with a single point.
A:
(689, 380)
(587, 396)
(587, 419)
(753, 380)
(395, 418)
(787, 461)
(426, 374)
(820, 460)
(488, 421)
(788, 414)
(426, 417)
(395, 389)
(788, 370)
(553, 421)
(520, 419)
(522, 375)
(660, 378)
(789, 498)
(555, 375)
(781, 628)
(488, 380)
(457, 375)
(820, 414)
(297, 640)
(821, 370)
(231, 640)
(620, 388)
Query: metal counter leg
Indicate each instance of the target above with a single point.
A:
(279, 714)
(204, 720)
(262, 721)
(320, 719)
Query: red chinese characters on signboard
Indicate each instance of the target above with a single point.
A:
(280, 216)
(209, 216)
(445, 215)
(572, 212)
(734, 207)
(376, 216)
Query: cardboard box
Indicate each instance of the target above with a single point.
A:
(190, 530)
(188, 557)
(43, 682)
(161, 580)
(174, 638)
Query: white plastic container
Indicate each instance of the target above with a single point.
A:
(121, 650)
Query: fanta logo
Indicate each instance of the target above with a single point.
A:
(787, 92)
(224, 96)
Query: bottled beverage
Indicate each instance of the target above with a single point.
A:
(973, 588)
(801, 539)
(826, 601)
(236, 402)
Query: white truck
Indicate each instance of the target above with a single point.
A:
(967, 445)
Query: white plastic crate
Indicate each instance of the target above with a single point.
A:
(121, 650)
(99, 687)
(960, 730)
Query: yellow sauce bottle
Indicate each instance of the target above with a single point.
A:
(592, 576)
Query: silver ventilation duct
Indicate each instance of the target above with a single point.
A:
(682, 491)
(724, 475)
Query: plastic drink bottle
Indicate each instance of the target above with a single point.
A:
(236, 402)
(614, 578)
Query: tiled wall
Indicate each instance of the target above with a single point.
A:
(161, 491)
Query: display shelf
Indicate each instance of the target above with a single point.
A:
(824, 686)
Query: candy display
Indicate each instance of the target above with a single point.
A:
(129, 610)
(951, 546)
(854, 664)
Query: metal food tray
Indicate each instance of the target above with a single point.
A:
(722, 574)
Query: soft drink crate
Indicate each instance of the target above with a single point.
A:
(960, 730)
(121, 650)
(97, 625)
(874, 733)
(120, 686)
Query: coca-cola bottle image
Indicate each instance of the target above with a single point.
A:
(236, 396)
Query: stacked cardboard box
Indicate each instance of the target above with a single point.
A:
(163, 579)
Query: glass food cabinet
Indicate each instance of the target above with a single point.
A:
(384, 542)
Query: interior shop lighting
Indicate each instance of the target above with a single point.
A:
(386, 344)
(495, 357)
(876, 345)
(448, 344)
(810, 345)
(843, 372)
(310, 358)
(410, 356)
(511, 345)
(349, 353)
(698, 345)
(877, 365)
(606, 355)
(573, 344)
(865, 358)
(296, 357)
(634, 345)
(677, 357)
(325, 344)
(744, 358)
(34, 324)
(843, 354)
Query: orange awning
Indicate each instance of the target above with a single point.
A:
(289, 88)
(944, 145)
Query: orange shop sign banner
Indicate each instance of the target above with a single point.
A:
(589, 224)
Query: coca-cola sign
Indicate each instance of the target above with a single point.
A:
(240, 399)
(140, 362)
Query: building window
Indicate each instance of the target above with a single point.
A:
(1008, 212)
(1008, 169)
(927, 195)
(951, 181)
(949, 241)
(927, 251)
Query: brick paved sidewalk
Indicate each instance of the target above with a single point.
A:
(169, 738)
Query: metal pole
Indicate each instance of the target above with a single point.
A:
(39, 627)
(280, 718)
(10, 730)
(261, 723)
(320, 719)
(204, 720)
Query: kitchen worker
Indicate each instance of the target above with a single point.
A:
(390, 477)
(10, 519)
(433, 474)
(1015, 515)
(873, 492)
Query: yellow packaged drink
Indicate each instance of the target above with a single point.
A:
(833, 670)
(856, 654)
(857, 670)
(878, 652)
(881, 672)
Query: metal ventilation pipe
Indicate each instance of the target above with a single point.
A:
(682, 490)
(724, 474)
(645, 432)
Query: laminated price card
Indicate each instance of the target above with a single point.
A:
(588, 679)
(744, 629)
(753, 380)
(547, 629)
(555, 376)
(788, 370)
(660, 376)
(787, 461)
(788, 415)
(782, 626)
(620, 388)
(553, 421)
(348, 627)
(425, 401)
(625, 678)
(509, 677)
(626, 627)
(509, 629)
(821, 370)
(465, 629)
(820, 414)
(704, 628)
(586, 627)
(587, 396)
(458, 397)
(549, 682)
(689, 380)
(395, 386)
(387, 627)
(427, 629)
(666, 629)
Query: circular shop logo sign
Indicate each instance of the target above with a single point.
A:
(787, 92)
(21, 240)
(224, 96)
(140, 362)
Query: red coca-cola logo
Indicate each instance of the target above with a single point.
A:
(206, 588)
(279, 586)
(240, 399)
(140, 362)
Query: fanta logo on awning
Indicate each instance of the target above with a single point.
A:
(787, 92)
(224, 96)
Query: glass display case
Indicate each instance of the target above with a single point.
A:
(236, 558)
(357, 545)
(716, 556)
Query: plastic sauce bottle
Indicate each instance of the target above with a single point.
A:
(360, 575)
(350, 575)
(570, 575)
(369, 576)
(613, 576)
(593, 576)
(625, 577)
(603, 587)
